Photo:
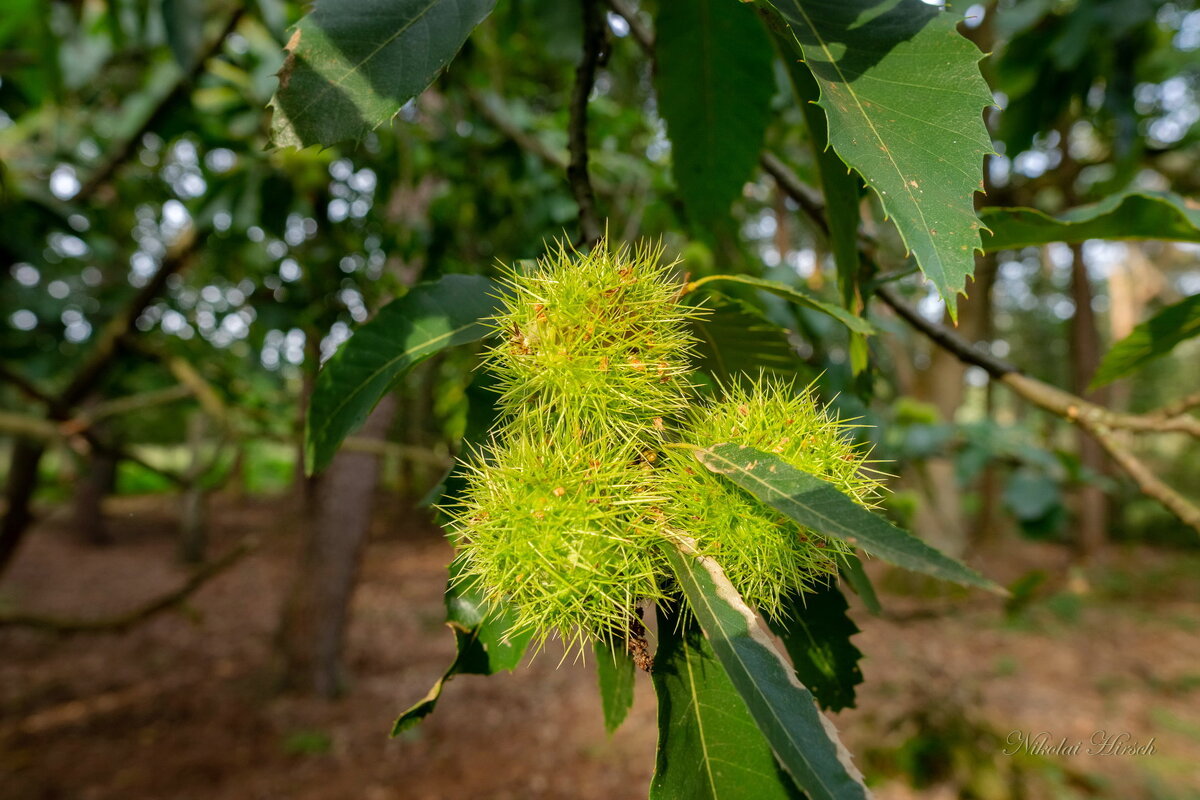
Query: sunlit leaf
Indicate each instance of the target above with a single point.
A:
(818, 505)
(904, 100)
(804, 741)
(405, 332)
(708, 745)
(352, 64)
(1131, 215)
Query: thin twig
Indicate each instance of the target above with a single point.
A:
(125, 147)
(1150, 484)
(108, 344)
(585, 79)
(130, 403)
(1181, 406)
(490, 108)
(26, 386)
(1095, 419)
(944, 337)
(641, 34)
(486, 106)
(1098, 421)
(126, 620)
(791, 186)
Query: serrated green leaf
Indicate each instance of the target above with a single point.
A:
(904, 99)
(839, 186)
(352, 64)
(405, 332)
(800, 298)
(815, 631)
(481, 637)
(714, 80)
(1152, 339)
(708, 745)
(840, 190)
(819, 506)
(1130, 215)
(804, 741)
(615, 673)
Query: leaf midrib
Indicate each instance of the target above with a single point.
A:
(712, 780)
(331, 85)
(862, 111)
(745, 668)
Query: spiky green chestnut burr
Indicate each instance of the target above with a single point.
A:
(764, 554)
(566, 536)
(595, 342)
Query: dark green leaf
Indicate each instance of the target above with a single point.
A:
(1152, 339)
(405, 332)
(708, 745)
(840, 190)
(816, 631)
(819, 506)
(804, 741)
(839, 186)
(1132, 215)
(800, 298)
(481, 635)
(735, 340)
(352, 64)
(851, 569)
(714, 82)
(904, 99)
(615, 670)
(184, 24)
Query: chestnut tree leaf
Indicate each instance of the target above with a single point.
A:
(352, 64)
(904, 98)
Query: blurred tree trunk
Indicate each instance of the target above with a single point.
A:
(1131, 285)
(96, 481)
(941, 518)
(313, 625)
(18, 495)
(1091, 512)
(193, 514)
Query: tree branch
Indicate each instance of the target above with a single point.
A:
(28, 426)
(124, 148)
(790, 185)
(126, 620)
(1150, 484)
(27, 387)
(1181, 406)
(641, 34)
(577, 135)
(485, 105)
(108, 345)
(488, 107)
(1098, 421)
(131, 403)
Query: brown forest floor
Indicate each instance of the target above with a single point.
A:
(182, 707)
